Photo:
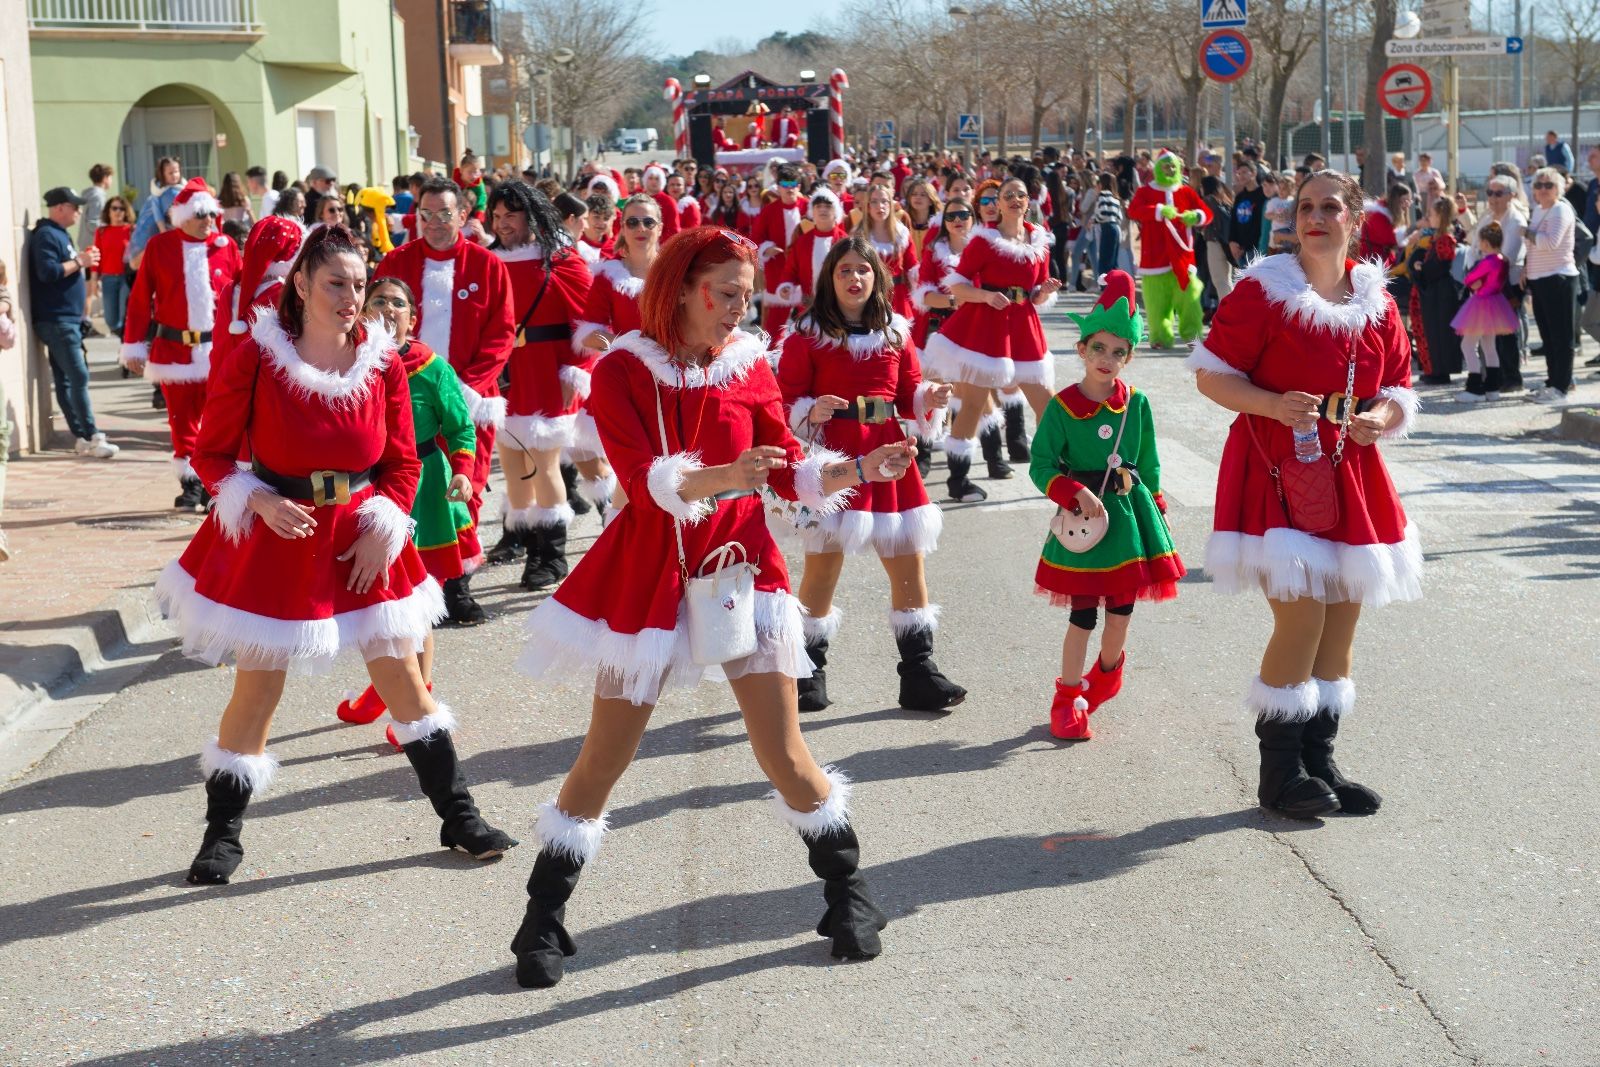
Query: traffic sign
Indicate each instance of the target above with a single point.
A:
(1223, 14)
(1404, 90)
(885, 130)
(1438, 48)
(1443, 19)
(1225, 55)
(969, 127)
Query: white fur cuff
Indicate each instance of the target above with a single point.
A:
(808, 482)
(442, 720)
(991, 421)
(1290, 703)
(1048, 302)
(231, 505)
(563, 835)
(833, 813)
(930, 421)
(378, 514)
(1202, 358)
(487, 411)
(560, 515)
(665, 481)
(134, 355)
(961, 447)
(577, 379)
(800, 413)
(1337, 696)
(257, 772)
(821, 627)
(1409, 404)
(906, 623)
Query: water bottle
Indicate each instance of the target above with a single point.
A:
(1308, 445)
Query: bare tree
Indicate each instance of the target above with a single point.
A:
(1183, 51)
(1283, 38)
(1577, 26)
(1383, 16)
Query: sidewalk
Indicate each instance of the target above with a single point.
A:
(87, 538)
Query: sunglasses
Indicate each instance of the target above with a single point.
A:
(441, 215)
(1496, 194)
(635, 223)
(736, 238)
(788, 185)
(958, 216)
(1544, 185)
(988, 201)
(1014, 195)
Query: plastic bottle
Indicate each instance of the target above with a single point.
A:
(1308, 445)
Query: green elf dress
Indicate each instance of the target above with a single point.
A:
(441, 415)
(1135, 560)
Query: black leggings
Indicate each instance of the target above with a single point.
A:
(1086, 618)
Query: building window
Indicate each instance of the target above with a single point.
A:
(314, 139)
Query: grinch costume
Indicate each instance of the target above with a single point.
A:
(439, 410)
(1168, 211)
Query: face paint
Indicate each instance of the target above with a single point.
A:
(705, 294)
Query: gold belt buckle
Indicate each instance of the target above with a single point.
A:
(874, 409)
(1018, 294)
(320, 482)
(192, 337)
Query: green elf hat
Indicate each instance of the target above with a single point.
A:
(1116, 312)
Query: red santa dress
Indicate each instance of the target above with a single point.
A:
(901, 259)
(937, 263)
(748, 214)
(1276, 331)
(996, 347)
(773, 230)
(688, 212)
(240, 592)
(612, 308)
(803, 261)
(543, 359)
(620, 611)
(888, 518)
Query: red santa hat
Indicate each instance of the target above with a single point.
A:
(606, 184)
(193, 199)
(838, 165)
(268, 255)
(657, 169)
(822, 192)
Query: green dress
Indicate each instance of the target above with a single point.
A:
(439, 411)
(1136, 559)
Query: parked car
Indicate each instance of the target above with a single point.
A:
(631, 144)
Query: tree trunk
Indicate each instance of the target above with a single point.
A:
(1005, 131)
(1191, 112)
(1038, 127)
(1130, 122)
(1277, 92)
(1085, 99)
(1377, 62)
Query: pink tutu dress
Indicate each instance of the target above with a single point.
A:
(1487, 311)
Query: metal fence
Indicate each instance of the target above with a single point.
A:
(195, 16)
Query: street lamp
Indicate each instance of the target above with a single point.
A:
(702, 80)
(561, 57)
(963, 14)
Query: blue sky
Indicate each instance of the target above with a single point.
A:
(678, 35)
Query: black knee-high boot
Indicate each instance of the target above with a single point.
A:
(818, 632)
(1281, 717)
(924, 457)
(989, 440)
(852, 920)
(569, 477)
(1016, 433)
(231, 779)
(541, 943)
(958, 453)
(547, 548)
(428, 745)
(513, 543)
(1337, 698)
(922, 686)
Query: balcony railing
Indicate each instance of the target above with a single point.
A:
(475, 33)
(203, 17)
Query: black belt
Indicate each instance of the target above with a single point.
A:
(937, 317)
(556, 331)
(733, 494)
(183, 337)
(872, 410)
(427, 448)
(1123, 479)
(321, 488)
(1015, 293)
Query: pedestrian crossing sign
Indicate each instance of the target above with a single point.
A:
(1223, 14)
(885, 130)
(969, 127)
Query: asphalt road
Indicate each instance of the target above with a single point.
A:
(1116, 902)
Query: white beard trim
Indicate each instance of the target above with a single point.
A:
(665, 480)
(1290, 703)
(382, 516)
(808, 482)
(1337, 696)
(257, 772)
(540, 433)
(440, 720)
(914, 621)
(230, 505)
(1201, 358)
(563, 835)
(1409, 403)
(1287, 563)
(346, 390)
(1284, 282)
(833, 813)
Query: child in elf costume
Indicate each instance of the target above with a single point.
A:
(1095, 453)
(1168, 212)
(438, 412)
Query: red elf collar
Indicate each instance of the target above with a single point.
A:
(1081, 407)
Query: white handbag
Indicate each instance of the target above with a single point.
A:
(1073, 530)
(719, 606)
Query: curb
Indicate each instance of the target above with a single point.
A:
(1580, 424)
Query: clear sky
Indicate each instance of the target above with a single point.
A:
(677, 29)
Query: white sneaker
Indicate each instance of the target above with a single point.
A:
(100, 439)
(96, 447)
(1465, 397)
(1491, 395)
(1548, 396)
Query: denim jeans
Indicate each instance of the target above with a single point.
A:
(1110, 243)
(63, 340)
(114, 301)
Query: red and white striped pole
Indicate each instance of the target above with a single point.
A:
(837, 84)
(673, 93)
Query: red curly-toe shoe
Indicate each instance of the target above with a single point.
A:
(360, 710)
(1101, 685)
(1069, 713)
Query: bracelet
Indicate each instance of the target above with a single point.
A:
(861, 475)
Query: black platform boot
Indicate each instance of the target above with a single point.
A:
(231, 779)
(852, 920)
(1016, 434)
(193, 496)
(989, 440)
(547, 553)
(576, 500)
(542, 943)
(958, 458)
(458, 601)
(1285, 787)
(513, 544)
(1338, 697)
(922, 686)
(427, 744)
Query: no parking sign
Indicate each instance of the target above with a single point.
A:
(1225, 56)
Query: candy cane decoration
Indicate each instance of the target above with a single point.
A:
(837, 84)
(673, 92)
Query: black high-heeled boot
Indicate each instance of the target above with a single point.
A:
(427, 744)
(231, 779)
(1284, 786)
(1337, 698)
(852, 920)
(541, 943)
(1016, 434)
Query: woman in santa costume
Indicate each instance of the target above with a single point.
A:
(655, 187)
(852, 345)
(922, 207)
(548, 379)
(308, 553)
(774, 228)
(933, 304)
(1310, 341)
(837, 175)
(439, 514)
(172, 310)
(692, 417)
(688, 205)
(751, 203)
(719, 134)
(883, 228)
(993, 340)
(813, 239)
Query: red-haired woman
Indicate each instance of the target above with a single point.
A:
(852, 345)
(692, 418)
(308, 553)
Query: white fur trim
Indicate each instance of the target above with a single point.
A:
(916, 620)
(488, 412)
(787, 294)
(1013, 398)
(216, 633)
(838, 164)
(382, 516)
(238, 327)
(582, 330)
(586, 442)
(257, 772)
(577, 379)
(516, 518)
(182, 211)
(1034, 371)
(800, 413)
(547, 518)
(440, 720)
(616, 274)
(884, 533)
(540, 432)
(808, 482)
(930, 422)
(919, 295)
(607, 183)
(1290, 703)
(666, 481)
(1287, 564)
(821, 245)
(1031, 250)
(1337, 695)
(1284, 282)
(1048, 302)
(861, 345)
(822, 192)
(347, 390)
(948, 361)
(531, 252)
(183, 469)
(833, 813)
(198, 294)
(198, 369)
(821, 627)
(1202, 358)
(134, 354)
(599, 490)
(952, 279)
(1409, 404)
(766, 250)
(436, 303)
(563, 835)
(961, 447)
(731, 364)
(991, 420)
(230, 505)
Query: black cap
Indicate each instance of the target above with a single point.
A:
(62, 195)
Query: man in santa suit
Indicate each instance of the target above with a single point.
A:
(463, 312)
(171, 313)
(655, 186)
(719, 135)
(772, 231)
(752, 135)
(785, 129)
(688, 206)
